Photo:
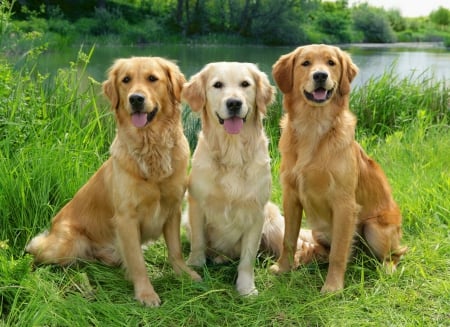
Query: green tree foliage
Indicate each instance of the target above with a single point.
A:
(441, 17)
(397, 22)
(373, 23)
(333, 19)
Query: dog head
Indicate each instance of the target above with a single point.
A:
(229, 94)
(141, 89)
(317, 72)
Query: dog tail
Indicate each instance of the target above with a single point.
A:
(273, 230)
(63, 246)
(273, 235)
(55, 248)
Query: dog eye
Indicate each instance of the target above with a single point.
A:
(245, 84)
(217, 85)
(152, 78)
(126, 79)
(331, 62)
(306, 63)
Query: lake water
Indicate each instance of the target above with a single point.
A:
(410, 60)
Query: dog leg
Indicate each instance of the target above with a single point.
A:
(197, 255)
(341, 243)
(293, 219)
(245, 283)
(129, 237)
(171, 231)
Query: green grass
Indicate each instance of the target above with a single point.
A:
(55, 133)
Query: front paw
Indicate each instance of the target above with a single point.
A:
(248, 291)
(148, 297)
(278, 269)
(196, 260)
(331, 288)
(245, 284)
(194, 276)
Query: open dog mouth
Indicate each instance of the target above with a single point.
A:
(232, 125)
(141, 119)
(319, 95)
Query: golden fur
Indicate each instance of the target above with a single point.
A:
(230, 181)
(325, 172)
(136, 194)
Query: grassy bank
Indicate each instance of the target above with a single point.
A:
(54, 134)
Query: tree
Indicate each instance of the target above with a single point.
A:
(283, 21)
(373, 24)
(396, 20)
(333, 19)
(441, 16)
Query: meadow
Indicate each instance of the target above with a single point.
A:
(55, 132)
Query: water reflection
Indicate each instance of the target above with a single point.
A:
(371, 61)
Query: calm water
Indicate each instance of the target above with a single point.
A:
(372, 61)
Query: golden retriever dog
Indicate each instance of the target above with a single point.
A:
(325, 172)
(230, 181)
(136, 194)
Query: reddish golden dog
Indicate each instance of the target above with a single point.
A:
(136, 194)
(325, 172)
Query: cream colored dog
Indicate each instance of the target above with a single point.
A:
(230, 181)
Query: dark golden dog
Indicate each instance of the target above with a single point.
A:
(136, 194)
(325, 172)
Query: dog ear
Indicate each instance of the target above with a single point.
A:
(265, 93)
(194, 92)
(349, 71)
(283, 71)
(175, 77)
(109, 86)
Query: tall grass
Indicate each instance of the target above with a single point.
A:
(389, 102)
(55, 132)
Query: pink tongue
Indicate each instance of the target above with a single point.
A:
(320, 94)
(139, 119)
(233, 125)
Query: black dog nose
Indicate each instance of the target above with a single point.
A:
(136, 100)
(320, 76)
(234, 105)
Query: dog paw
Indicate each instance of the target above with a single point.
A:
(389, 267)
(327, 288)
(220, 260)
(148, 298)
(196, 261)
(194, 276)
(248, 292)
(276, 269)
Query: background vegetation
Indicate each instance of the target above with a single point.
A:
(55, 133)
(271, 22)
